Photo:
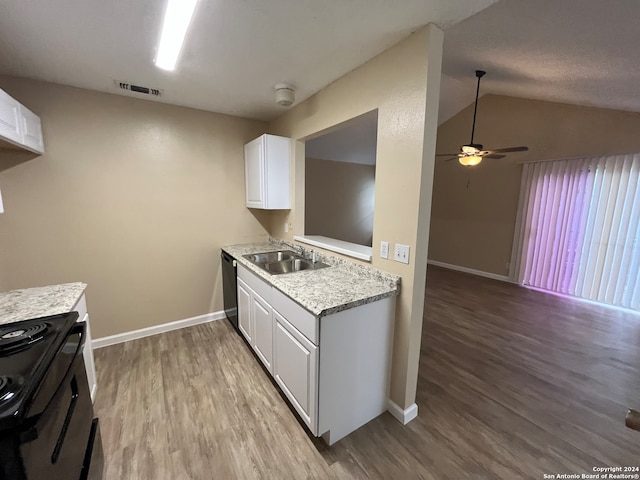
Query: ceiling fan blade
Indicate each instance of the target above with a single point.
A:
(494, 155)
(445, 154)
(510, 149)
(452, 158)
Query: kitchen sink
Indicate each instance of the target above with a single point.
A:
(284, 261)
(293, 265)
(270, 257)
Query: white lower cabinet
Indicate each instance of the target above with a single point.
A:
(333, 369)
(255, 317)
(244, 311)
(295, 369)
(87, 352)
(262, 330)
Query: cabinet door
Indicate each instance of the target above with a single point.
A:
(262, 330)
(31, 130)
(244, 311)
(295, 369)
(10, 119)
(254, 173)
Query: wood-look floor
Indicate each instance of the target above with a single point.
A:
(513, 384)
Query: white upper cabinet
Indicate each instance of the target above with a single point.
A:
(267, 165)
(10, 119)
(31, 130)
(19, 127)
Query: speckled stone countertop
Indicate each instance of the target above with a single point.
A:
(341, 286)
(17, 305)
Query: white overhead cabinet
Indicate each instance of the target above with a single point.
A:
(9, 119)
(267, 165)
(19, 127)
(333, 369)
(31, 130)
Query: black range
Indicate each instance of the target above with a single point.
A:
(47, 428)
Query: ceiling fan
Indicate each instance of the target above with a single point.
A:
(473, 153)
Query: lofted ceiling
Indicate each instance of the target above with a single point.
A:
(580, 52)
(234, 53)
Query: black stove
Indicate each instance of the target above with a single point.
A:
(27, 349)
(47, 429)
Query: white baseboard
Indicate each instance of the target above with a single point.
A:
(403, 416)
(495, 276)
(156, 329)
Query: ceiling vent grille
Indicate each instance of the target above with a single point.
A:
(139, 89)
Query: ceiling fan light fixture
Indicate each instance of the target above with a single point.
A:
(470, 149)
(470, 160)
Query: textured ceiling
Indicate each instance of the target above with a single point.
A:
(235, 51)
(581, 52)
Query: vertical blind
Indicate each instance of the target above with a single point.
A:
(578, 228)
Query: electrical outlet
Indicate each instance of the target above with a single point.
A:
(286, 227)
(401, 253)
(384, 249)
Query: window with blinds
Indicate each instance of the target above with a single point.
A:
(578, 228)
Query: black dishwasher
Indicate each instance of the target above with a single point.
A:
(229, 287)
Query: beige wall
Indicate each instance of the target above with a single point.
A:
(403, 83)
(474, 208)
(339, 200)
(132, 197)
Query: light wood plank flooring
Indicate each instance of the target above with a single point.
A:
(513, 384)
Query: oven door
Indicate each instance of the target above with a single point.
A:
(55, 446)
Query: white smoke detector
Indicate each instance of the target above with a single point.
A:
(285, 94)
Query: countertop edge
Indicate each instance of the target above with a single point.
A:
(260, 273)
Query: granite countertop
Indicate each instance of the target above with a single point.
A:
(26, 303)
(343, 285)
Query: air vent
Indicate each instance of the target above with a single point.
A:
(138, 89)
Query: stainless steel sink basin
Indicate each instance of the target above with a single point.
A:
(270, 257)
(283, 261)
(293, 265)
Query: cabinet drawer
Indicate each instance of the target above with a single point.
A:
(259, 286)
(304, 321)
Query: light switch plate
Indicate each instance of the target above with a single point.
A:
(401, 253)
(384, 249)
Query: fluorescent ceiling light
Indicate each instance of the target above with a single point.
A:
(177, 18)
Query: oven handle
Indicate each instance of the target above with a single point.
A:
(67, 420)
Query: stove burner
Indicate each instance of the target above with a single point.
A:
(4, 381)
(12, 340)
(14, 334)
